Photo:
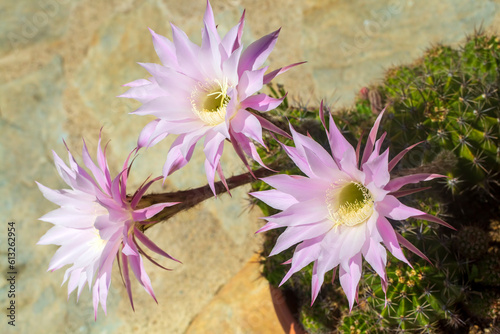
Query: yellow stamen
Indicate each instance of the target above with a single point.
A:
(209, 101)
(97, 242)
(350, 205)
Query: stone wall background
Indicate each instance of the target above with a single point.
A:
(62, 63)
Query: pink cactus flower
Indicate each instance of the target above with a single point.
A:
(96, 223)
(337, 213)
(204, 92)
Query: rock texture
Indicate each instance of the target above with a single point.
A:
(62, 62)
(243, 305)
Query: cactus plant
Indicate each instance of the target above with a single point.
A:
(471, 242)
(450, 100)
(417, 298)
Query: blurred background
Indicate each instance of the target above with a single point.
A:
(62, 64)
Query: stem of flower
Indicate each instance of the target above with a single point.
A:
(192, 197)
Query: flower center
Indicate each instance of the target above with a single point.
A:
(209, 101)
(349, 205)
(97, 243)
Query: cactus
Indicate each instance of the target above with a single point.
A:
(471, 242)
(450, 100)
(486, 308)
(494, 230)
(489, 268)
(361, 322)
(419, 299)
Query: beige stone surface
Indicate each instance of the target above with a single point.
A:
(62, 62)
(243, 305)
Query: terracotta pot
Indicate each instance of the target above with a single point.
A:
(282, 308)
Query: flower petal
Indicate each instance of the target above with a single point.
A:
(271, 127)
(176, 159)
(261, 102)
(371, 138)
(246, 123)
(305, 253)
(186, 52)
(166, 108)
(209, 21)
(271, 75)
(411, 247)
(232, 40)
(389, 238)
(338, 144)
(144, 93)
(230, 66)
(398, 183)
(165, 50)
(275, 199)
(295, 234)
(302, 213)
(256, 53)
(376, 170)
(391, 207)
(376, 255)
(400, 155)
(126, 279)
(214, 145)
(151, 245)
(250, 82)
(300, 187)
(349, 279)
